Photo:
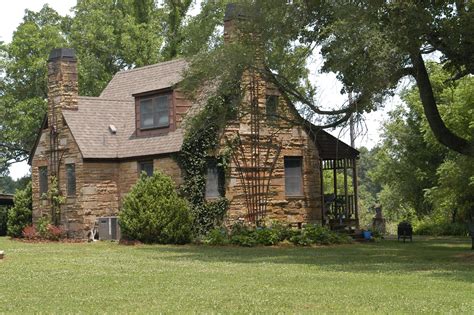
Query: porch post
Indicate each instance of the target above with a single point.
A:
(356, 198)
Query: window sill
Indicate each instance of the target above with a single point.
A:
(295, 197)
(154, 128)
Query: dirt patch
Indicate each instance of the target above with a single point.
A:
(466, 257)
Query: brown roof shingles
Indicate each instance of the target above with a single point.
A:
(150, 78)
(90, 123)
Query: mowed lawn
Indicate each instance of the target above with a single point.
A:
(427, 276)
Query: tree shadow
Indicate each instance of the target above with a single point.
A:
(430, 257)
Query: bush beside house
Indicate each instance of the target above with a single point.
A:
(154, 213)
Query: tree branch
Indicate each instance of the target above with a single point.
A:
(437, 125)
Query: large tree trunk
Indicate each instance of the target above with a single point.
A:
(440, 131)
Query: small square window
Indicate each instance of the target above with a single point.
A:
(147, 167)
(293, 176)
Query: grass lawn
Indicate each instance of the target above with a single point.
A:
(427, 276)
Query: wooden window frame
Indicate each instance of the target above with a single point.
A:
(155, 130)
(300, 193)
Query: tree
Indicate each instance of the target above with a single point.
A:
(419, 174)
(23, 86)
(108, 36)
(370, 45)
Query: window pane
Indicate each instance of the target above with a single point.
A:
(146, 167)
(215, 180)
(71, 179)
(161, 111)
(146, 106)
(161, 119)
(146, 113)
(271, 106)
(293, 176)
(161, 103)
(43, 179)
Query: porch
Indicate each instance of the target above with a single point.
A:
(339, 199)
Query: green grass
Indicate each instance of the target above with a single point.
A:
(427, 276)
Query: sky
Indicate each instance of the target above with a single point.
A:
(12, 12)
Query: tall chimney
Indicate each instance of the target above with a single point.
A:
(233, 13)
(62, 84)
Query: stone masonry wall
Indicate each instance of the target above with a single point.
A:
(292, 140)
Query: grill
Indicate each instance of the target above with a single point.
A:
(405, 230)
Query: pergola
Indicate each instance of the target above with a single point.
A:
(340, 206)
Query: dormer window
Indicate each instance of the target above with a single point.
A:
(154, 112)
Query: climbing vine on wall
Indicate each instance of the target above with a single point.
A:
(201, 142)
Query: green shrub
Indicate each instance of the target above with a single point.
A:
(267, 236)
(284, 231)
(300, 239)
(20, 215)
(216, 236)
(245, 240)
(434, 228)
(154, 213)
(45, 230)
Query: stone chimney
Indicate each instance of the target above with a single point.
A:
(62, 84)
(233, 13)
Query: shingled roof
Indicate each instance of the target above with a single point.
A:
(90, 124)
(150, 78)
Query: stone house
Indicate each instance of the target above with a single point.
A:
(94, 148)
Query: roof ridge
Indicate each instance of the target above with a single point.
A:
(152, 66)
(98, 98)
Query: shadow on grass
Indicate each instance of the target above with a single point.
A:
(438, 258)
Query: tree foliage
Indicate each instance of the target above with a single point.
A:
(418, 174)
(371, 46)
(108, 36)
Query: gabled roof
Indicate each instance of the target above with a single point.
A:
(150, 78)
(90, 128)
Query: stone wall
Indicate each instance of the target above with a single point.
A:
(277, 138)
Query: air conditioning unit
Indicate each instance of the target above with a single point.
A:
(109, 228)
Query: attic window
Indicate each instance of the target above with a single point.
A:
(271, 106)
(155, 111)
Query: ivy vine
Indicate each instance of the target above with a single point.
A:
(201, 141)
